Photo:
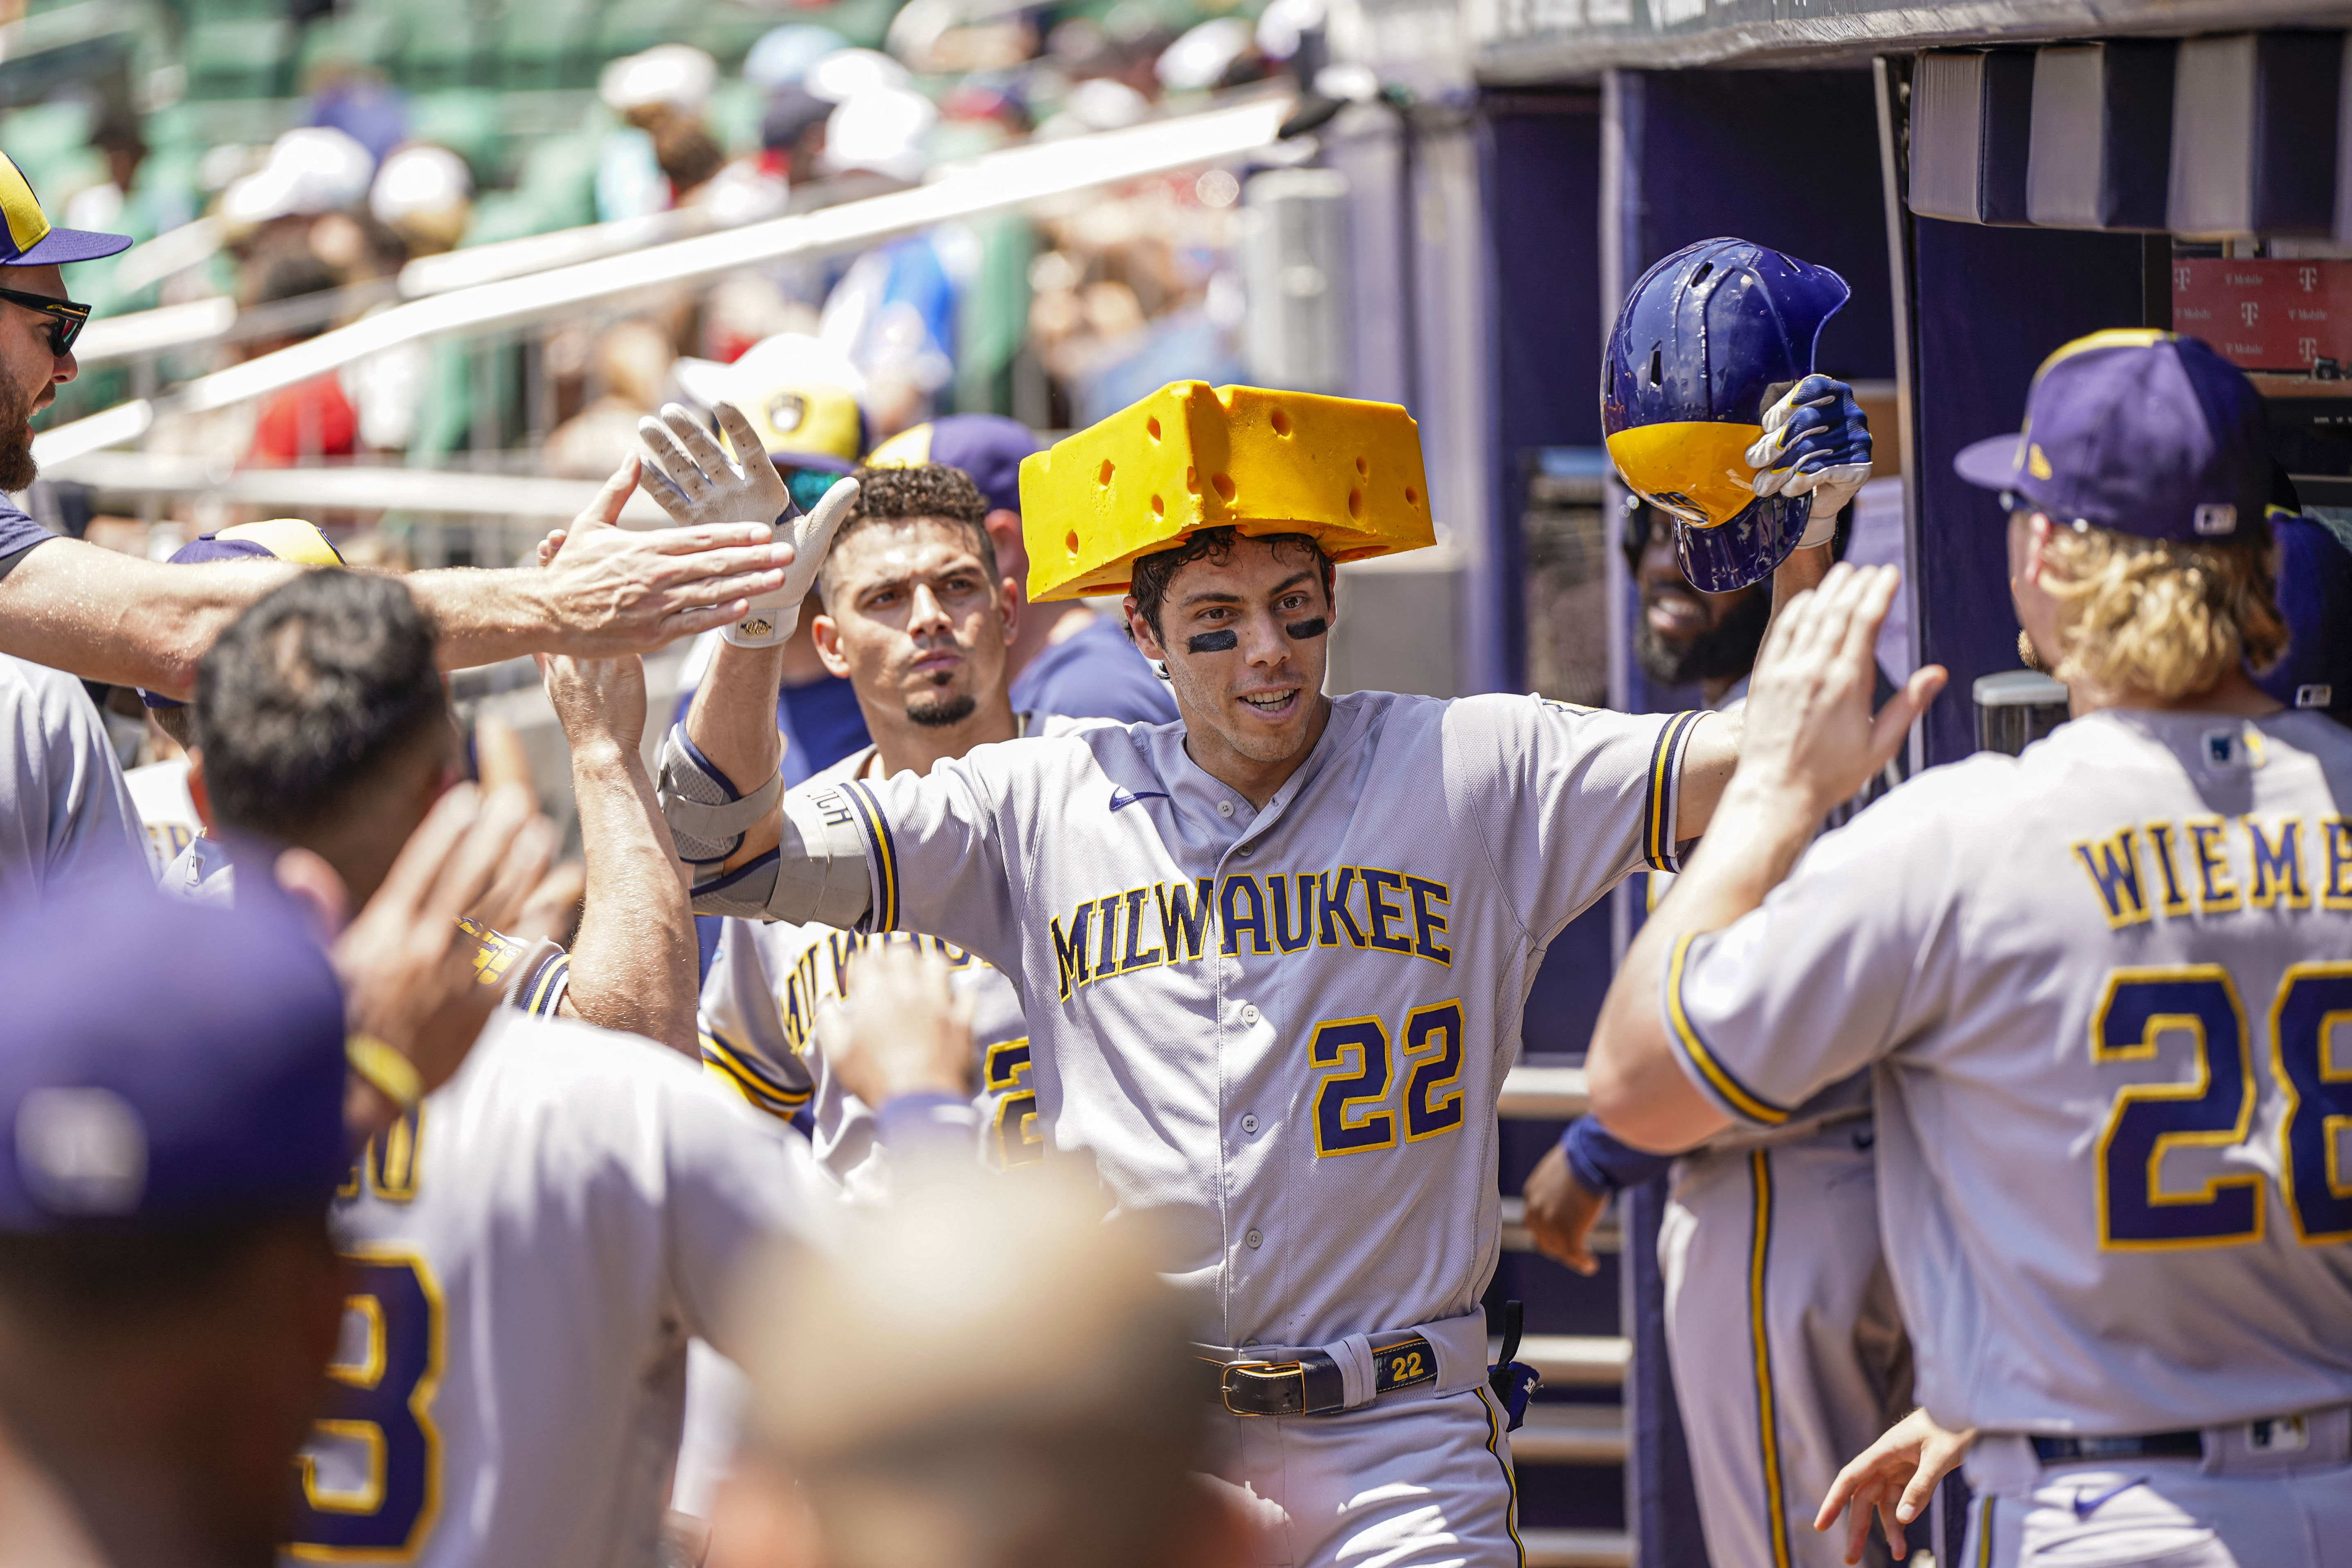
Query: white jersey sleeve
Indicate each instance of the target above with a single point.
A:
(936, 849)
(1840, 964)
(68, 815)
(1567, 801)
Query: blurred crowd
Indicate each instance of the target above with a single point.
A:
(1057, 315)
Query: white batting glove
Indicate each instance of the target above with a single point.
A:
(1816, 442)
(688, 474)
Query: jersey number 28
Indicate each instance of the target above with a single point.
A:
(2216, 1109)
(368, 1482)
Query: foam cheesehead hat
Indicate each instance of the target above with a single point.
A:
(2135, 430)
(163, 1060)
(989, 447)
(25, 237)
(1190, 457)
(279, 539)
(1706, 342)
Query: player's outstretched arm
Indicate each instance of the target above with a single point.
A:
(1893, 1477)
(732, 723)
(605, 590)
(113, 617)
(1809, 741)
(632, 962)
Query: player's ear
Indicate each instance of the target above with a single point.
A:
(1009, 601)
(197, 792)
(1146, 640)
(824, 633)
(317, 889)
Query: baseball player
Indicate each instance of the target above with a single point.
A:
(171, 1093)
(1273, 957)
(2099, 985)
(918, 620)
(533, 1243)
(1066, 658)
(1788, 1346)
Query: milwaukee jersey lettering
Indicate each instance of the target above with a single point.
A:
(758, 1022)
(2107, 988)
(1284, 1031)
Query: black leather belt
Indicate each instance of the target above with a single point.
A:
(1312, 1385)
(2146, 1446)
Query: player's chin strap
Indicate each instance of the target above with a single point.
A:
(818, 871)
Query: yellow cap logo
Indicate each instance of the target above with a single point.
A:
(2035, 463)
(20, 209)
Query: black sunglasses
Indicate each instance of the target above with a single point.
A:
(66, 318)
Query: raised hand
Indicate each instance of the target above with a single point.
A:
(692, 478)
(899, 1029)
(1895, 1478)
(1816, 442)
(608, 590)
(1808, 725)
(694, 482)
(1561, 1212)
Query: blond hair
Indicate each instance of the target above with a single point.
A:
(2170, 618)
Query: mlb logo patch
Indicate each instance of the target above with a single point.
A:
(2215, 518)
(2222, 749)
(2316, 694)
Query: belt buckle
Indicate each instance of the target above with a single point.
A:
(1264, 1373)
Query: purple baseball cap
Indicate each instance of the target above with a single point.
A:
(277, 538)
(988, 447)
(2138, 431)
(161, 1059)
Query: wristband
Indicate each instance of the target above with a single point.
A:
(391, 1074)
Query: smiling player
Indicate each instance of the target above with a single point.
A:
(1273, 957)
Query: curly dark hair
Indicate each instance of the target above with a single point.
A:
(931, 491)
(306, 695)
(1154, 572)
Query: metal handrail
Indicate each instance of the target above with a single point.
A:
(1013, 177)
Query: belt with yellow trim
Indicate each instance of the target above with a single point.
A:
(1313, 1385)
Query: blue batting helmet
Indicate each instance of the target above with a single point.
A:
(1707, 340)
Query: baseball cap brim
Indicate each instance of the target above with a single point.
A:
(61, 246)
(1990, 463)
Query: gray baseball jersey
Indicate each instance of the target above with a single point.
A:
(759, 1008)
(2106, 987)
(530, 1254)
(67, 813)
(1285, 1030)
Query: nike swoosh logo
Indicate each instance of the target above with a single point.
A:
(2086, 1504)
(1120, 797)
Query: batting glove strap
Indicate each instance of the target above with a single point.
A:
(774, 614)
(706, 817)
